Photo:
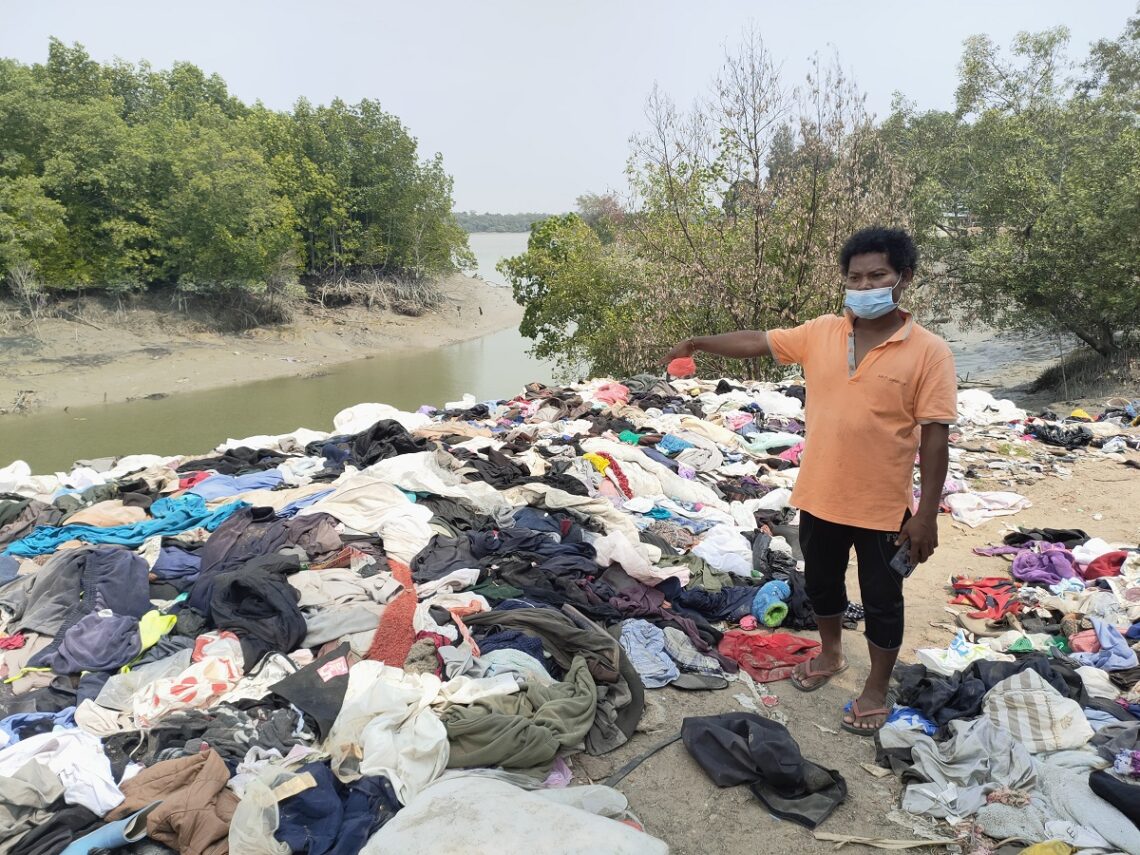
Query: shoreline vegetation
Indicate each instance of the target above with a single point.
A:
(96, 349)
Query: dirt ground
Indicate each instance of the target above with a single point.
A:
(107, 356)
(676, 802)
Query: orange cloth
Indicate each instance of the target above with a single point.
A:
(862, 423)
(395, 635)
(682, 366)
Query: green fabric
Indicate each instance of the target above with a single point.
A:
(774, 615)
(701, 575)
(630, 437)
(69, 503)
(525, 730)
(1022, 645)
(495, 592)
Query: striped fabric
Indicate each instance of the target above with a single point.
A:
(1036, 714)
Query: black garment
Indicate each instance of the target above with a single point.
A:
(797, 392)
(456, 514)
(1068, 537)
(744, 748)
(318, 689)
(237, 461)
(943, 699)
(1122, 795)
(1076, 436)
(257, 603)
(314, 533)
(247, 533)
(441, 556)
(827, 549)
(387, 438)
(67, 823)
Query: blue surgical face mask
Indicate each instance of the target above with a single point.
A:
(872, 303)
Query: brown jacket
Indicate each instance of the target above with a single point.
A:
(194, 817)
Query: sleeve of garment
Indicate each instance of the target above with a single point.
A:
(937, 397)
(791, 346)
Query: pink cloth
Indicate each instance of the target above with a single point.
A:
(792, 455)
(1084, 642)
(612, 393)
(736, 421)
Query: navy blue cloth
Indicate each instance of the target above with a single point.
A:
(334, 818)
(513, 639)
(176, 563)
(729, 604)
(9, 567)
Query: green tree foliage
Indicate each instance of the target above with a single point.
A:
(737, 211)
(579, 295)
(1028, 195)
(471, 221)
(123, 177)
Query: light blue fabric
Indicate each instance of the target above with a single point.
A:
(13, 723)
(291, 510)
(908, 718)
(1114, 653)
(670, 444)
(644, 643)
(169, 517)
(224, 486)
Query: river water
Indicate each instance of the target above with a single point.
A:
(494, 366)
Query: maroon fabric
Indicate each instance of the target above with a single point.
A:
(1108, 564)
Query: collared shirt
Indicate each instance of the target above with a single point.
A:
(863, 421)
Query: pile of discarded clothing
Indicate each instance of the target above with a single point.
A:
(1028, 723)
(393, 634)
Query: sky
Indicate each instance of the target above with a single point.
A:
(533, 102)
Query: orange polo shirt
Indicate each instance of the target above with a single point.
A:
(863, 423)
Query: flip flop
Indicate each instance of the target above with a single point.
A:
(851, 727)
(811, 675)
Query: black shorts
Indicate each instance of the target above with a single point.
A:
(826, 547)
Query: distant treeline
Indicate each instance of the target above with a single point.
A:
(473, 222)
(122, 177)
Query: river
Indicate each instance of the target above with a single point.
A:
(494, 366)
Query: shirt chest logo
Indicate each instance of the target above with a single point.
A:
(891, 379)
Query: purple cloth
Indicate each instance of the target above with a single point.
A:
(1048, 567)
(99, 641)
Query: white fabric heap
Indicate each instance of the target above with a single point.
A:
(77, 759)
(368, 504)
(479, 815)
(360, 417)
(424, 472)
(386, 725)
(979, 407)
(973, 509)
(725, 549)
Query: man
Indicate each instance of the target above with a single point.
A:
(879, 388)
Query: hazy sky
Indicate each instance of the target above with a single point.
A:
(532, 103)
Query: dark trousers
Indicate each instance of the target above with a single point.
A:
(826, 548)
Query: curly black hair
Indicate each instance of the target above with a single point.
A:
(896, 243)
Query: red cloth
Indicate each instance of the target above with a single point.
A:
(1108, 564)
(765, 657)
(188, 481)
(12, 642)
(395, 635)
(992, 597)
(683, 366)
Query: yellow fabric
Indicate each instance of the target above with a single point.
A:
(600, 463)
(153, 626)
(863, 422)
(1051, 847)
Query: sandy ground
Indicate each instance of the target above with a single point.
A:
(109, 357)
(676, 802)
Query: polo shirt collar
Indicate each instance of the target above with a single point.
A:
(900, 335)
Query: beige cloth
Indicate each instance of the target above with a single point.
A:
(106, 514)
